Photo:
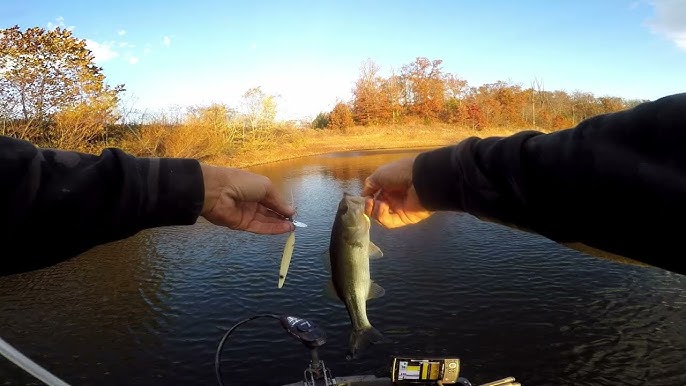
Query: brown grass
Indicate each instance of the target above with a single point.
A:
(228, 143)
(294, 143)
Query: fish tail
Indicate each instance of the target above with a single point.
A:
(363, 337)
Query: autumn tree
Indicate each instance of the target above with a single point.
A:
(370, 106)
(425, 87)
(341, 116)
(502, 104)
(393, 93)
(562, 110)
(259, 110)
(50, 75)
(585, 106)
(611, 104)
(536, 98)
(455, 110)
(474, 114)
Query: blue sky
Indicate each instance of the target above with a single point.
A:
(181, 53)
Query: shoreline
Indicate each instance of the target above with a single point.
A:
(310, 143)
(249, 164)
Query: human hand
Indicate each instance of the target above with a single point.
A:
(244, 201)
(394, 201)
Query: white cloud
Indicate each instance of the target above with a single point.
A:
(133, 60)
(166, 41)
(121, 32)
(146, 50)
(59, 22)
(101, 51)
(670, 20)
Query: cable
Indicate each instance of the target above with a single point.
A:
(217, 362)
(28, 365)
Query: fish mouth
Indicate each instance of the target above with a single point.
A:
(354, 205)
(351, 210)
(353, 199)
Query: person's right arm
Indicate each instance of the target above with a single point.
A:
(616, 182)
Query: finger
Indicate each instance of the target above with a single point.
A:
(368, 206)
(397, 206)
(419, 216)
(274, 201)
(270, 228)
(370, 186)
(376, 208)
(263, 210)
(403, 217)
(406, 214)
(268, 223)
(383, 214)
(269, 217)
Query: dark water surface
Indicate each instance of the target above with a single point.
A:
(150, 310)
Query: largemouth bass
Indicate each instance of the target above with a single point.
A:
(349, 252)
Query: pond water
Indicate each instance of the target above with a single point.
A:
(150, 310)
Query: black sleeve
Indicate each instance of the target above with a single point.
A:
(56, 204)
(616, 182)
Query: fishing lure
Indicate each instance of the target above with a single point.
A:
(288, 249)
(286, 258)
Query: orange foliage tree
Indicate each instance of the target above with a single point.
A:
(341, 117)
(424, 91)
(371, 105)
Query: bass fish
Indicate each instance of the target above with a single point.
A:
(350, 250)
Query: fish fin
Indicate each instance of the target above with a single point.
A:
(326, 260)
(375, 291)
(330, 291)
(374, 251)
(362, 338)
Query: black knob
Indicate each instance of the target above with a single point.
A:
(304, 330)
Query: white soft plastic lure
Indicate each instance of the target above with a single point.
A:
(288, 249)
(286, 258)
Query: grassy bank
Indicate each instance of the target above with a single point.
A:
(306, 142)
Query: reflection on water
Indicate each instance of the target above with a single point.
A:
(151, 309)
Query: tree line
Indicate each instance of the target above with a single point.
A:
(423, 91)
(53, 94)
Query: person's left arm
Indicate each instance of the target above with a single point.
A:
(55, 204)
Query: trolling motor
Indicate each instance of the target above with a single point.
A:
(316, 374)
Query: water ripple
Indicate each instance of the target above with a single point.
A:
(150, 310)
